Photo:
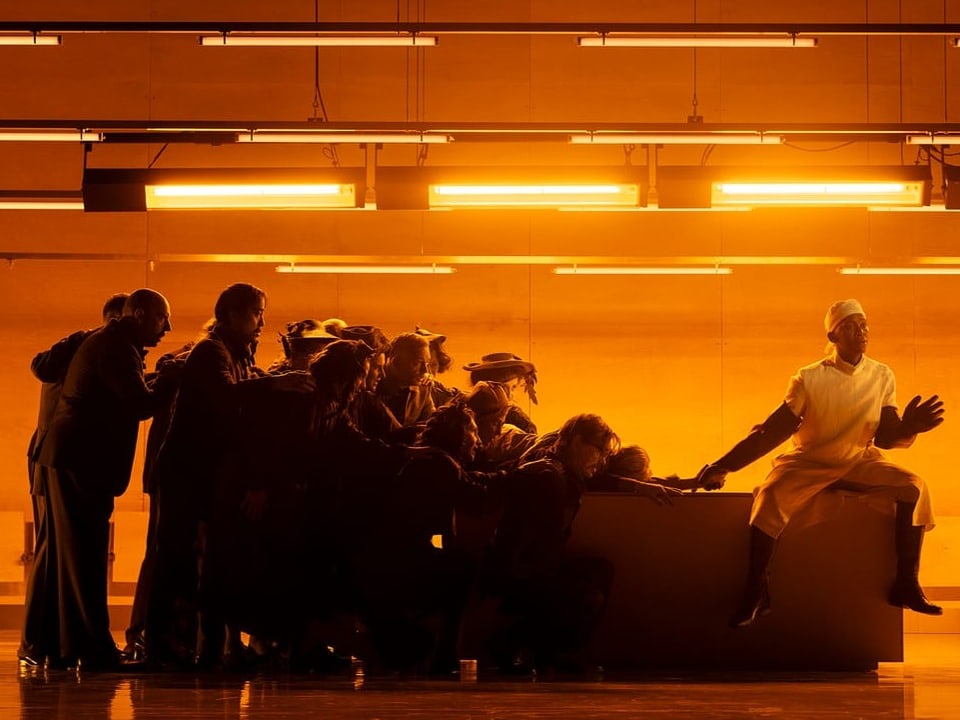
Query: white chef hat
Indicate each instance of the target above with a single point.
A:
(840, 311)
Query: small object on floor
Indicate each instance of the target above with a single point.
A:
(468, 670)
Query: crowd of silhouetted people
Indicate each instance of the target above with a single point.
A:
(345, 502)
(344, 488)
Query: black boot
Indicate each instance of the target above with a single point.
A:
(756, 599)
(906, 591)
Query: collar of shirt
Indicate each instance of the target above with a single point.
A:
(842, 365)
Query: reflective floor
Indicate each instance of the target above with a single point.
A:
(926, 685)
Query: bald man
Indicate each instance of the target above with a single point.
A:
(86, 456)
(839, 411)
(40, 616)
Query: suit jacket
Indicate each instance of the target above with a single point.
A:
(218, 385)
(50, 368)
(94, 428)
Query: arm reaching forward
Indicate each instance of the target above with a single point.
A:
(762, 439)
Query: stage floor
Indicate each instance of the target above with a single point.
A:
(926, 685)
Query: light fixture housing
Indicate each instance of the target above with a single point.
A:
(333, 40)
(717, 138)
(77, 136)
(900, 270)
(335, 137)
(634, 270)
(933, 139)
(35, 39)
(772, 40)
(951, 187)
(118, 190)
(431, 269)
(848, 186)
(511, 187)
(40, 200)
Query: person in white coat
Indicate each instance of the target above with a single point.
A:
(839, 412)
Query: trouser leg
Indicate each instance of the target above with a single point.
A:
(81, 522)
(138, 614)
(41, 622)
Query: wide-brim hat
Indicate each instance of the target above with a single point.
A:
(370, 335)
(313, 336)
(488, 399)
(431, 337)
(501, 361)
(308, 331)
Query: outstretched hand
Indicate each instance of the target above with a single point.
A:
(921, 417)
(654, 491)
(712, 477)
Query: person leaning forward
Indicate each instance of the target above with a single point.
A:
(839, 411)
(87, 455)
(40, 635)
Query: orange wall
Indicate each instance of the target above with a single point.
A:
(683, 366)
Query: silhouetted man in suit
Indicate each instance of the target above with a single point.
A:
(86, 456)
(40, 612)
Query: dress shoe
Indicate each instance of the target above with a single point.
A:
(28, 660)
(106, 663)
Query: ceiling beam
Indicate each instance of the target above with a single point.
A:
(480, 28)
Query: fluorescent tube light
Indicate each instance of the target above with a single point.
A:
(818, 193)
(613, 195)
(41, 204)
(367, 269)
(33, 39)
(138, 190)
(596, 270)
(900, 271)
(342, 137)
(51, 136)
(331, 195)
(318, 40)
(731, 138)
(716, 41)
(933, 139)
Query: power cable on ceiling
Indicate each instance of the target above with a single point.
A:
(329, 151)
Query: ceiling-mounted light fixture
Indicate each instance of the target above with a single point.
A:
(138, 190)
(307, 136)
(933, 139)
(906, 186)
(511, 187)
(32, 39)
(534, 195)
(164, 196)
(900, 270)
(629, 270)
(267, 40)
(697, 41)
(817, 193)
(40, 200)
(718, 138)
(84, 136)
(367, 269)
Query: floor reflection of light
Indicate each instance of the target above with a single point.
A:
(121, 707)
(245, 699)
